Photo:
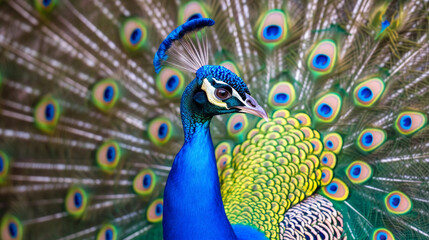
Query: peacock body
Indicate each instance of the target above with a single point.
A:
(94, 95)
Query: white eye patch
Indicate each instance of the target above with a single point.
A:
(210, 92)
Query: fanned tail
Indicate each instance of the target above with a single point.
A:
(81, 121)
(89, 131)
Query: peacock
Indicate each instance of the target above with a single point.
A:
(242, 119)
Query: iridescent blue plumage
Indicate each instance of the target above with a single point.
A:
(227, 76)
(192, 191)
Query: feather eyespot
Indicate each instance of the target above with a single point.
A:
(222, 93)
(170, 82)
(222, 148)
(105, 94)
(160, 131)
(333, 142)
(237, 125)
(11, 228)
(359, 172)
(327, 107)
(370, 139)
(326, 175)
(155, 211)
(4, 166)
(272, 29)
(223, 161)
(46, 114)
(108, 232)
(76, 202)
(133, 33)
(282, 95)
(367, 93)
(322, 58)
(144, 183)
(382, 234)
(45, 6)
(410, 122)
(336, 190)
(108, 156)
(398, 203)
(328, 159)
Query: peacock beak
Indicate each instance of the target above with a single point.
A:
(252, 107)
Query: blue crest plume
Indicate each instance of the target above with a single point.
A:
(177, 34)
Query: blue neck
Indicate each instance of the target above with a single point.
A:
(193, 207)
(191, 115)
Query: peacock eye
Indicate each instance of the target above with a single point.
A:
(222, 93)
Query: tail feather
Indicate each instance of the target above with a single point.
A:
(60, 53)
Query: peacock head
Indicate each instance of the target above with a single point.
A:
(220, 91)
(215, 90)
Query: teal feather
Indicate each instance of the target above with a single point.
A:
(58, 51)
